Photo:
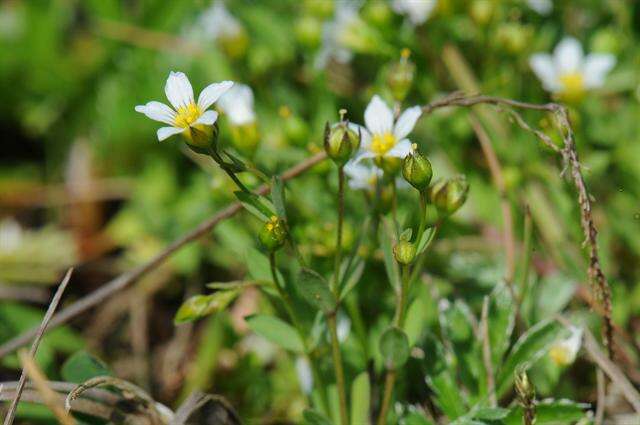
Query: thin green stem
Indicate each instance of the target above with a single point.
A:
(389, 382)
(225, 167)
(423, 217)
(338, 256)
(337, 363)
(403, 297)
(286, 300)
(394, 206)
(419, 264)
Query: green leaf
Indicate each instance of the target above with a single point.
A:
(406, 234)
(551, 412)
(199, 306)
(360, 399)
(354, 277)
(82, 366)
(394, 346)
(276, 331)
(448, 396)
(278, 197)
(532, 345)
(313, 417)
(491, 413)
(259, 206)
(414, 322)
(235, 284)
(501, 321)
(315, 290)
(422, 245)
(390, 264)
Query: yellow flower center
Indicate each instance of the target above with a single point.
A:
(560, 355)
(382, 143)
(573, 87)
(187, 115)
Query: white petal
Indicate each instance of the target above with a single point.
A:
(178, 90)
(212, 92)
(596, 68)
(378, 116)
(406, 122)
(208, 118)
(568, 56)
(401, 149)
(365, 140)
(157, 111)
(166, 132)
(363, 155)
(543, 7)
(305, 377)
(543, 67)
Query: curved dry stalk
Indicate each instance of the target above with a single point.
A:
(571, 162)
(126, 279)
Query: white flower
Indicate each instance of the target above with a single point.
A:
(216, 22)
(568, 73)
(334, 34)
(186, 113)
(418, 11)
(384, 137)
(564, 352)
(343, 327)
(237, 103)
(305, 376)
(11, 235)
(362, 176)
(543, 7)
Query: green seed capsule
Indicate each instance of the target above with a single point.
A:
(340, 142)
(401, 76)
(449, 195)
(404, 252)
(273, 234)
(416, 170)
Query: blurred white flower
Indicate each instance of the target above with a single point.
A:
(542, 7)
(568, 73)
(186, 113)
(305, 376)
(418, 11)
(237, 103)
(217, 22)
(362, 176)
(343, 327)
(11, 235)
(564, 352)
(384, 137)
(334, 34)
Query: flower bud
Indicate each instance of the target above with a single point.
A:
(401, 76)
(449, 195)
(524, 388)
(416, 170)
(404, 252)
(201, 138)
(273, 234)
(340, 142)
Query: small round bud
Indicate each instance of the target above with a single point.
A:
(201, 138)
(340, 142)
(401, 76)
(404, 252)
(273, 234)
(449, 195)
(416, 170)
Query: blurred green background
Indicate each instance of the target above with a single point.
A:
(84, 181)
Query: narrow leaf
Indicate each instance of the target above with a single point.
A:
(360, 399)
(315, 290)
(390, 264)
(278, 197)
(276, 331)
(448, 396)
(256, 205)
(82, 366)
(199, 306)
(414, 322)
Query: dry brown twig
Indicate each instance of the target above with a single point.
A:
(571, 163)
(8, 419)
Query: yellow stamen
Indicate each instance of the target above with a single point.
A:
(187, 115)
(284, 111)
(382, 143)
(573, 88)
(405, 53)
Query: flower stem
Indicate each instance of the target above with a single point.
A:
(389, 382)
(218, 159)
(317, 377)
(338, 256)
(337, 363)
(423, 218)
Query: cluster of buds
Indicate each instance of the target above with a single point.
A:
(526, 396)
(341, 141)
(449, 195)
(273, 234)
(416, 169)
(401, 75)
